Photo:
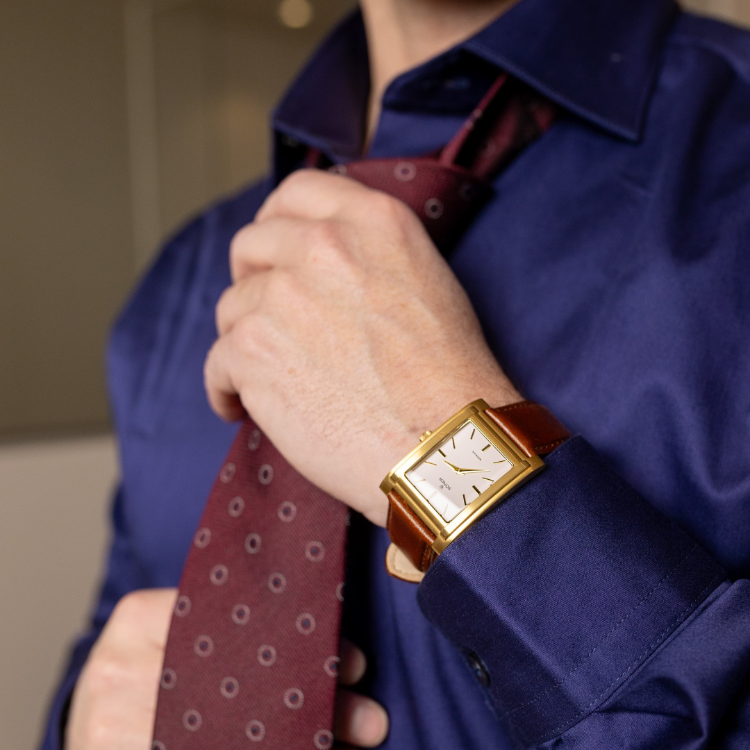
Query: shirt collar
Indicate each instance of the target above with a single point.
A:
(596, 58)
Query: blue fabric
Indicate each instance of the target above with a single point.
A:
(608, 599)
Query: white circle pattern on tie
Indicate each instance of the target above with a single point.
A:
(229, 687)
(315, 551)
(227, 473)
(433, 208)
(294, 698)
(266, 655)
(405, 171)
(192, 720)
(255, 730)
(241, 614)
(203, 645)
(287, 511)
(168, 678)
(305, 623)
(253, 442)
(331, 666)
(276, 582)
(236, 506)
(202, 537)
(182, 606)
(252, 543)
(265, 474)
(323, 739)
(219, 575)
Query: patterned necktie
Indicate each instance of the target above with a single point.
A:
(252, 654)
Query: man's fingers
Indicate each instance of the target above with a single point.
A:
(359, 720)
(260, 246)
(222, 394)
(311, 194)
(147, 612)
(353, 663)
(238, 300)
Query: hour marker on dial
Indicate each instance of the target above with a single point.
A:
(477, 491)
(485, 447)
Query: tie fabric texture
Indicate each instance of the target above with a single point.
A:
(252, 654)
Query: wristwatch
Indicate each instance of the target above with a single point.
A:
(458, 473)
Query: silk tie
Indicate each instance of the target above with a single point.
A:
(252, 654)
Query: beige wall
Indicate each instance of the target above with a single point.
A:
(737, 11)
(64, 207)
(119, 120)
(52, 539)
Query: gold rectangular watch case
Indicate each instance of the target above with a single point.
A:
(523, 469)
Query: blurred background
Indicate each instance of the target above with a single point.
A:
(119, 120)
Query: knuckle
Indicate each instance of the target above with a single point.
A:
(221, 314)
(326, 243)
(209, 364)
(131, 609)
(106, 671)
(98, 735)
(282, 285)
(299, 178)
(246, 335)
(386, 207)
(237, 247)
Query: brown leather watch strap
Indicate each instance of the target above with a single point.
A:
(531, 426)
(409, 533)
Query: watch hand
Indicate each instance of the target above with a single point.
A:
(463, 471)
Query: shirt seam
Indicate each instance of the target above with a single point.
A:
(667, 630)
(616, 627)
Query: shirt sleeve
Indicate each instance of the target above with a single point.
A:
(123, 576)
(593, 620)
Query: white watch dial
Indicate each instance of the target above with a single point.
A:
(460, 469)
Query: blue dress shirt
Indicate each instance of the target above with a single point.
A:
(606, 604)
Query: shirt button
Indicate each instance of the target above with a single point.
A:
(479, 669)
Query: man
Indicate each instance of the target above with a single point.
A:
(605, 278)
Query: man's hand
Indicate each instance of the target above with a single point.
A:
(114, 703)
(345, 335)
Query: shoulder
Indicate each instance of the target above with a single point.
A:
(722, 41)
(698, 130)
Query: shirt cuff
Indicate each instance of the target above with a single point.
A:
(563, 591)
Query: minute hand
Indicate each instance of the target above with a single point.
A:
(464, 471)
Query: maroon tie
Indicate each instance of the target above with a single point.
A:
(252, 654)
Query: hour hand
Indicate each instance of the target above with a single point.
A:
(455, 468)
